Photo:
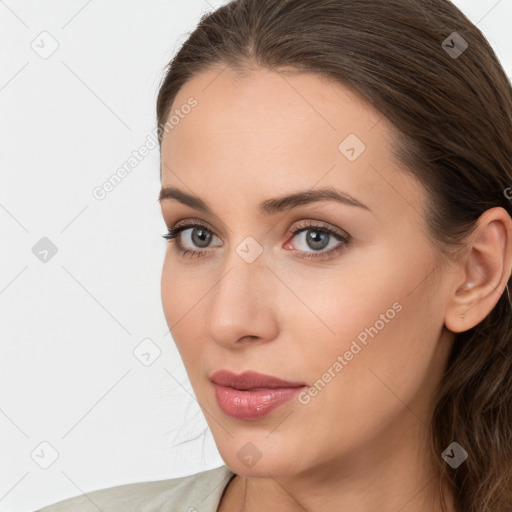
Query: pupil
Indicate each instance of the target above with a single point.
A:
(200, 235)
(317, 236)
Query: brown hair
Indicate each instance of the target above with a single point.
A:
(453, 116)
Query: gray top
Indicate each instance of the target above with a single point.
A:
(194, 493)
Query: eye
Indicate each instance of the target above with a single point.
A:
(199, 235)
(318, 237)
(314, 236)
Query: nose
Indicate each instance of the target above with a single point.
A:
(242, 308)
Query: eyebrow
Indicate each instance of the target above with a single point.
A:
(269, 206)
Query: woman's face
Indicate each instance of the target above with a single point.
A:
(359, 322)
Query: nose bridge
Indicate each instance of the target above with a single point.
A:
(241, 304)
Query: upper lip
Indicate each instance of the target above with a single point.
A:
(251, 380)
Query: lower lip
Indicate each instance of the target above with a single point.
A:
(253, 404)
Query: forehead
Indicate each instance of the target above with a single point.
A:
(266, 133)
(271, 102)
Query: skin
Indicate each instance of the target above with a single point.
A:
(361, 442)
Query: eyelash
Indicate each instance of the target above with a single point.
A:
(174, 233)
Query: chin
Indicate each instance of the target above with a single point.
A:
(252, 458)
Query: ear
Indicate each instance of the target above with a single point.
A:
(482, 273)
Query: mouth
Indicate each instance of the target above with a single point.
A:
(252, 395)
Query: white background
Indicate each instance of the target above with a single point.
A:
(68, 327)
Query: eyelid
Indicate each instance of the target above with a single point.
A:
(303, 224)
(293, 231)
(195, 222)
(311, 224)
(344, 238)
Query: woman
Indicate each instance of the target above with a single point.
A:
(336, 182)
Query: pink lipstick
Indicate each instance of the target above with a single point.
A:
(251, 395)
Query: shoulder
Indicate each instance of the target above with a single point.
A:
(200, 492)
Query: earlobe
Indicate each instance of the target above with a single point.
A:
(484, 271)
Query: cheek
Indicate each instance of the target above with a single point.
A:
(169, 285)
(182, 286)
(361, 298)
(378, 307)
(181, 300)
(381, 338)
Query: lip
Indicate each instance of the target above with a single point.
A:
(251, 380)
(251, 395)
